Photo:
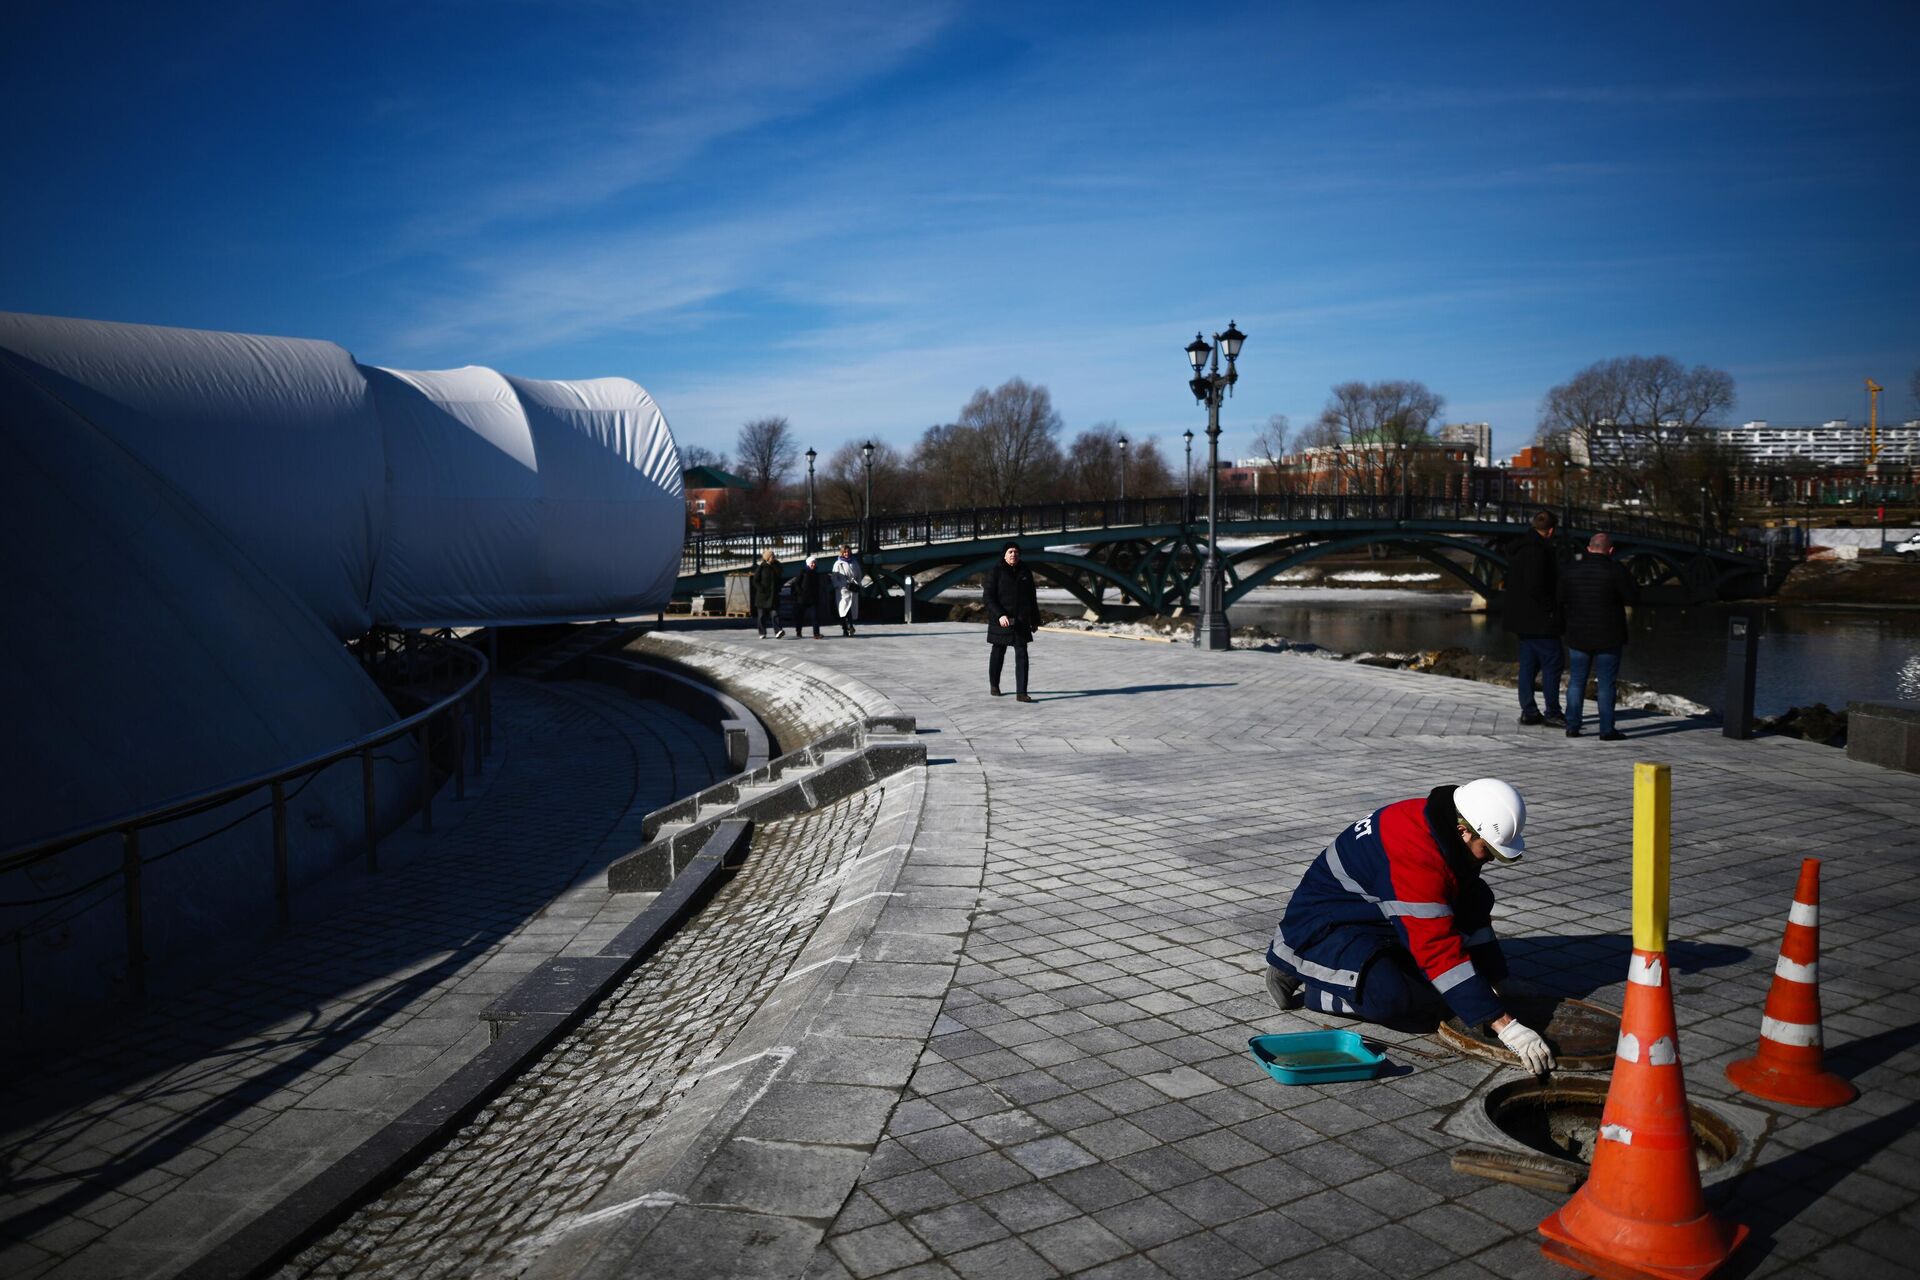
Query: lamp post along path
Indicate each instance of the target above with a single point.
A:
(1210, 387)
(810, 542)
(866, 548)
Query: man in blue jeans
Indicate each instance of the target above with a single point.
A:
(1530, 607)
(1594, 595)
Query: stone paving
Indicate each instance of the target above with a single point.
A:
(1086, 1104)
(133, 1153)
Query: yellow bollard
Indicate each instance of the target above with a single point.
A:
(1652, 822)
(1641, 1211)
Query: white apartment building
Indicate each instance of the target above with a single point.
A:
(1839, 443)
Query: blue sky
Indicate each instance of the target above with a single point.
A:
(856, 213)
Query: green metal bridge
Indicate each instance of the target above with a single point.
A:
(1147, 552)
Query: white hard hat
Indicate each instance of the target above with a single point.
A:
(1496, 813)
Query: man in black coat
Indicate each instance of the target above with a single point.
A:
(1594, 595)
(806, 597)
(1532, 611)
(1013, 615)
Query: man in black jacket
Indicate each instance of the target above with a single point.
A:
(1594, 595)
(1013, 615)
(806, 597)
(1532, 611)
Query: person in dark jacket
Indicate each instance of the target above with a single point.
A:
(1013, 615)
(1594, 595)
(806, 598)
(765, 584)
(1532, 611)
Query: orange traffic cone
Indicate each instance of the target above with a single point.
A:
(1641, 1211)
(1787, 1067)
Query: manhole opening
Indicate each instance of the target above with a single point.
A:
(1562, 1118)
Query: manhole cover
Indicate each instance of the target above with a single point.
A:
(1561, 1118)
(1581, 1035)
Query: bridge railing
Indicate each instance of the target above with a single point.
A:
(719, 551)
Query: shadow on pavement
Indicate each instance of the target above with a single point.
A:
(1773, 1195)
(1579, 965)
(1132, 688)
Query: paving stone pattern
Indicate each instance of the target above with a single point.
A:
(482, 1203)
(131, 1154)
(1086, 1104)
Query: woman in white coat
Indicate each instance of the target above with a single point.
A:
(846, 580)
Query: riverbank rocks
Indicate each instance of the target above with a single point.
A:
(1817, 723)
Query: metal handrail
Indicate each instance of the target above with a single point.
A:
(472, 697)
(704, 552)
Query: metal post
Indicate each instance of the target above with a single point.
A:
(454, 729)
(1743, 664)
(136, 923)
(426, 778)
(282, 893)
(1212, 632)
(909, 599)
(367, 808)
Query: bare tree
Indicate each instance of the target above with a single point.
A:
(767, 453)
(1913, 388)
(949, 467)
(1092, 468)
(1017, 425)
(843, 481)
(1274, 441)
(1148, 474)
(1657, 406)
(700, 456)
(1379, 420)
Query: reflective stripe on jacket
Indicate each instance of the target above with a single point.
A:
(1384, 882)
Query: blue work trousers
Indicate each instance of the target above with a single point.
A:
(1393, 992)
(1541, 655)
(1605, 665)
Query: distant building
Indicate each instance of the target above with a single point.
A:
(1839, 443)
(1477, 434)
(709, 490)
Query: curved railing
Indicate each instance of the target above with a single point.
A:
(389, 657)
(712, 552)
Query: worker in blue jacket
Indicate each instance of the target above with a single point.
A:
(1393, 924)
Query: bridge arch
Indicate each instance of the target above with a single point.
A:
(1041, 561)
(1426, 546)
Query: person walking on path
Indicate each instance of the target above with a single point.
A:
(806, 597)
(1594, 595)
(1393, 923)
(846, 581)
(1531, 609)
(1013, 615)
(765, 585)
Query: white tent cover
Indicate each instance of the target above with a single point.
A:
(454, 498)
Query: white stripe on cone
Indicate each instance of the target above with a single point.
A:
(1802, 1034)
(1806, 913)
(1792, 972)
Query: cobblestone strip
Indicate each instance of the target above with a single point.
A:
(139, 1152)
(566, 1127)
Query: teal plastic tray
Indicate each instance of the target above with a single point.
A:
(1316, 1057)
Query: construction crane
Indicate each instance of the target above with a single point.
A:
(1873, 421)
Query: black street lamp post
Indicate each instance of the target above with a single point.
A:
(1123, 473)
(1188, 434)
(866, 453)
(810, 539)
(1210, 387)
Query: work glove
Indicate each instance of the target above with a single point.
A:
(1526, 1045)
